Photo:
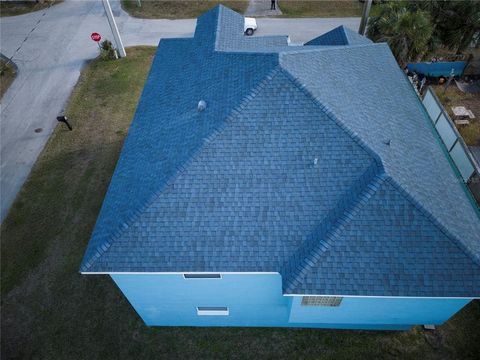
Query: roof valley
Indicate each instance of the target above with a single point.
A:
(332, 116)
(295, 269)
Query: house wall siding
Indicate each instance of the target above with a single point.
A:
(257, 300)
(378, 311)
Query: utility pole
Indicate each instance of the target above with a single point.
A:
(364, 21)
(113, 26)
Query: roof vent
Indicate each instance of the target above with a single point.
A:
(201, 105)
(315, 162)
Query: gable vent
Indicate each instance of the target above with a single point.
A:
(321, 301)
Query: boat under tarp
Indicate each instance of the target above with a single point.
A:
(439, 68)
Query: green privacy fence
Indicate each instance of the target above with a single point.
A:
(456, 147)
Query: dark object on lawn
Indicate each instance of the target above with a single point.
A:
(468, 86)
(64, 120)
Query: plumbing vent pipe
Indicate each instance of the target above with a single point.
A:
(201, 105)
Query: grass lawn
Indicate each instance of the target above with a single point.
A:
(454, 97)
(7, 75)
(471, 132)
(320, 8)
(178, 9)
(50, 311)
(12, 8)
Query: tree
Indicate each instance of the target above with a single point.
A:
(456, 23)
(407, 32)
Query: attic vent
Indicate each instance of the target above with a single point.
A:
(212, 310)
(321, 300)
(202, 276)
(201, 105)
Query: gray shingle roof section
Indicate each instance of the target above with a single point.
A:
(222, 28)
(286, 170)
(389, 248)
(167, 128)
(261, 165)
(339, 36)
(382, 108)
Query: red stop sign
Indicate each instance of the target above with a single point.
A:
(96, 37)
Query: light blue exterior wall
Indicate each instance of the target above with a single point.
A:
(379, 311)
(257, 300)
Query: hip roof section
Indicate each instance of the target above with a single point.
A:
(317, 162)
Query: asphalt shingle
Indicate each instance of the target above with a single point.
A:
(339, 36)
(317, 162)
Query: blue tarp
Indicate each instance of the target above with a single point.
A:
(437, 69)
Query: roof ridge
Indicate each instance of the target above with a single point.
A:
(217, 26)
(332, 116)
(345, 36)
(434, 220)
(320, 48)
(339, 36)
(352, 36)
(308, 263)
(347, 33)
(322, 245)
(105, 246)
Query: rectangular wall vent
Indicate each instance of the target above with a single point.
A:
(202, 276)
(212, 310)
(321, 300)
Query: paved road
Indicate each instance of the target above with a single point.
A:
(50, 60)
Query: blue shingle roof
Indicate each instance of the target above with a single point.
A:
(339, 36)
(287, 170)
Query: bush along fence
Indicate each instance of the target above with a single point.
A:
(459, 153)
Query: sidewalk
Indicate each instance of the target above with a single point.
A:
(262, 8)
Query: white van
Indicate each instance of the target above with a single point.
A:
(249, 26)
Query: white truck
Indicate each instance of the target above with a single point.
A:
(249, 26)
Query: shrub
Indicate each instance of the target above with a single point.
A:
(107, 50)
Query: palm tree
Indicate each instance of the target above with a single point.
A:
(408, 33)
(457, 23)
